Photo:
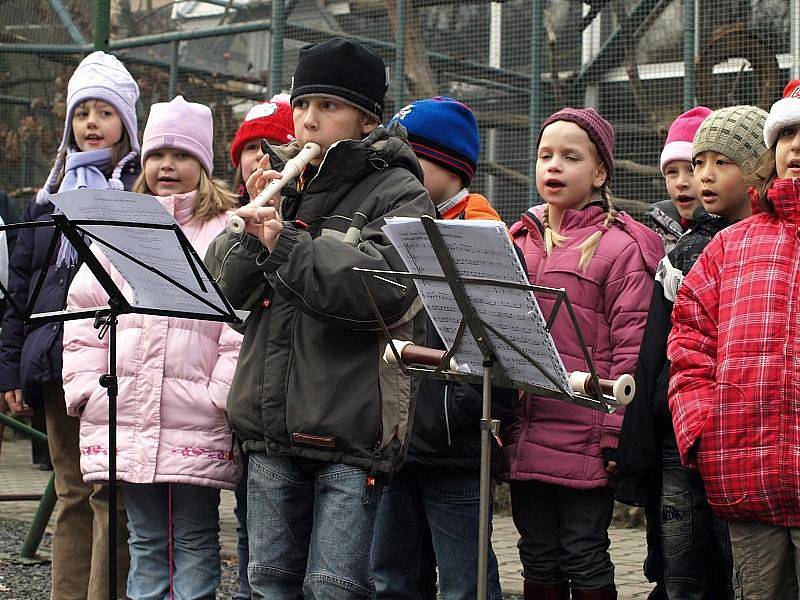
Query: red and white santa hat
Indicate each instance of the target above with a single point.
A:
(783, 113)
(269, 120)
(681, 133)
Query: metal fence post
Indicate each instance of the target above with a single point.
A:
(400, 57)
(102, 24)
(173, 69)
(689, 52)
(794, 37)
(276, 55)
(537, 39)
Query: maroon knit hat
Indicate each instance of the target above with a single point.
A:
(600, 132)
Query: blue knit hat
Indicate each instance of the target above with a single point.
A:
(444, 131)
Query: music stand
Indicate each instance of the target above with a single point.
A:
(105, 318)
(493, 370)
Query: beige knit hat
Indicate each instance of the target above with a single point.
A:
(735, 131)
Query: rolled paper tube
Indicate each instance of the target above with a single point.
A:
(411, 354)
(621, 389)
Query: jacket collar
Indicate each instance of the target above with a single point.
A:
(785, 198)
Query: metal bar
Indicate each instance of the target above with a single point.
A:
(173, 69)
(794, 37)
(276, 54)
(40, 520)
(400, 57)
(19, 497)
(689, 53)
(66, 19)
(102, 24)
(22, 428)
(537, 43)
(485, 481)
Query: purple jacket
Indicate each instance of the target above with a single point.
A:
(551, 440)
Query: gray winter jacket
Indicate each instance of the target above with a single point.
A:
(310, 381)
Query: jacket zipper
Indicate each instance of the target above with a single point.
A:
(446, 415)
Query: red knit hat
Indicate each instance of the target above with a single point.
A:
(600, 132)
(681, 135)
(270, 120)
(783, 113)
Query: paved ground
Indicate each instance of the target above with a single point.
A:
(18, 476)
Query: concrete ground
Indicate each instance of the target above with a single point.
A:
(19, 476)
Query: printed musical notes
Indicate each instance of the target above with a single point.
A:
(481, 249)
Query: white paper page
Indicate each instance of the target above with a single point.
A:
(481, 249)
(157, 248)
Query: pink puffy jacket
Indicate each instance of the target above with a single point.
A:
(174, 376)
(551, 440)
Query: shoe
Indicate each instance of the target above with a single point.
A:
(45, 466)
(541, 591)
(606, 593)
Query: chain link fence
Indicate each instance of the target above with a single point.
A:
(639, 62)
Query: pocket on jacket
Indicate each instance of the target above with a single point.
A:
(676, 522)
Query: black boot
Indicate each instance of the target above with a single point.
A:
(542, 591)
(606, 593)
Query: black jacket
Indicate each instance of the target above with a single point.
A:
(647, 427)
(310, 380)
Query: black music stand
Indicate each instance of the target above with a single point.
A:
(105, 319)
(493, 371)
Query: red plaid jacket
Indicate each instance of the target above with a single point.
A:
(735, 351)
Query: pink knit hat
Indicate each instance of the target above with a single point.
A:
(680, 135)
(183, 125)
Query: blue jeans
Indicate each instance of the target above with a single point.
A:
(195, 535)
(563, 534)
(242, 552)
(310, 527)
(428, 517)
(696, 548)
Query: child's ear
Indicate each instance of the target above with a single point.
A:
(600, 176)
(368, 125)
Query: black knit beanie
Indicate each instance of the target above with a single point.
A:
(343, 69)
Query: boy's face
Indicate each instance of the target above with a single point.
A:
(327, 120)
(440, 183)
(681, 187)
(787, 153)
(721, 184)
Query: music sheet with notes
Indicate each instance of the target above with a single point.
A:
(481, 249)
(157, 248)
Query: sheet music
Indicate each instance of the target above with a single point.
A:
(157, 248)
(481, 249)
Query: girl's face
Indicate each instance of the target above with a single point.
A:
(96, 125)
(787, 153)
(720, 181)
(681, 187)
(568, 169)
(251, 154)
(171, 171)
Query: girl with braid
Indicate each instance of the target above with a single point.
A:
(563, 457)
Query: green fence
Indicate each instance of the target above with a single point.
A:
(640, 62)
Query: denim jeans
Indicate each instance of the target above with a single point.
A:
(563, 534)
(242, 553)
(429, 517)
(310, 526)
(696, 549)
(195, 541)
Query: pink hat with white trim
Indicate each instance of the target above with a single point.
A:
(681, 134)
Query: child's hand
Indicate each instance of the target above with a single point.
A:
(264, 222)
(612, 468)
(260, 178)
(14, 400)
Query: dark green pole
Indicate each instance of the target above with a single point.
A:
(537, 39)
(688, 54)
(276, 56)
(400, 57)
(40, 520)
(173, 70)
(102, 24)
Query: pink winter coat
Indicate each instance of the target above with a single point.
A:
(553, 441)
(174, 376)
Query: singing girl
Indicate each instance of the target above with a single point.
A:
(175, 447)
(98, 150)
(562, 457)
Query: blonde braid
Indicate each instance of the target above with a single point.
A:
(551, 238)
(589, 245)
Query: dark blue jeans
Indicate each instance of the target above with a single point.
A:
(310, 527)
(696, 547)
(429, 517)
(242, 552)
(563, 534)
